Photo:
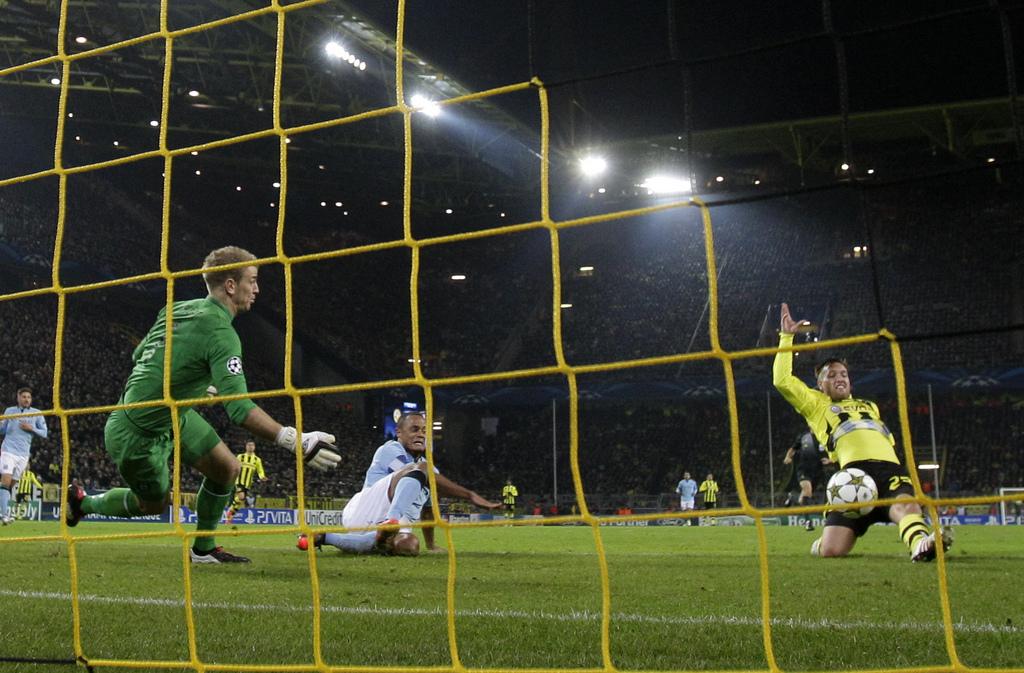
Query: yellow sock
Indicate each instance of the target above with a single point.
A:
(911, 526)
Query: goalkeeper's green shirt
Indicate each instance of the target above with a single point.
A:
(849, 429)
(206, 350)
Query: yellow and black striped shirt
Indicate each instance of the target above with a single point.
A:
(252, 465)
(850, 429)
(710, 490)
(28, 483)
(508, 494)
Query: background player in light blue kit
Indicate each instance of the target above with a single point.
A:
(17, 447)
(687, 490)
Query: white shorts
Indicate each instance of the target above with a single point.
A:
(369, 506)
(12, 465)
(685, 504)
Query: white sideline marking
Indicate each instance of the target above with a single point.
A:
(571, 616)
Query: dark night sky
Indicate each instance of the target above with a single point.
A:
(486, 44)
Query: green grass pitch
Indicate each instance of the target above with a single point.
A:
(683, 598)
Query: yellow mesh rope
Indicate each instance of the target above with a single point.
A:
(561, 367)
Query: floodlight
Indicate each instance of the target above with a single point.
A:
(425, 105)
(154, 123)
(458, 276)
(193, 93)
(666, 184)
(928, 466)
(332, 48)
(593, 165)
(845, 166)
(55, 81)
(81, 39)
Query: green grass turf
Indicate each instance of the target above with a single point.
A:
(682, 599)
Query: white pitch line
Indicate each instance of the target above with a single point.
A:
(571, 616)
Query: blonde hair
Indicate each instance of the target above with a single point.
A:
(227, 255)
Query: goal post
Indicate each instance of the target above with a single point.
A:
(1006, 518)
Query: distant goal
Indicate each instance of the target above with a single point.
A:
(1011, 512)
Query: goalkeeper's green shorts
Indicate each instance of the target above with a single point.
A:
(142, 456)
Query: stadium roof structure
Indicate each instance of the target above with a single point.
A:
(231, 68)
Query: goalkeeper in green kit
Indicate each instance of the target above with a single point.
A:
(206, 351)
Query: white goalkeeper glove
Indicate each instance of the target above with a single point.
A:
(318, 449)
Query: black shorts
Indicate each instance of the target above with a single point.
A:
(811, 473)
(711, 505)
(891, 479)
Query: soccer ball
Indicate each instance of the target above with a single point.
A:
(850, 486)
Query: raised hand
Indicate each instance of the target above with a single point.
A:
(788, 325)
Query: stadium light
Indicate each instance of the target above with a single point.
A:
(845, 166)
(238, 188)
(991, 160)
(601, 190)
(586, 269)
(323, 204)
(81, 39)
(154, 123)
(194, 153)
(277, 185)
(71, 114)
(593, 165)
(928, 466)
(55, 81)
(79, 138)
(423, 104)
(458, 276)
(193, 93)
(566, 305)
(332, 48)
(338, 204)
(871, 171)
(116, 143)
(719, 178)
(383, 203)
(757, 182)
(447, 211)
(199, 172)
(665, 184)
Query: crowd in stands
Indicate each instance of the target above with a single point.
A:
(647, 295)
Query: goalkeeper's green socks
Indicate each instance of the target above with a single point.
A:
(911, 526)
(115, 502)
(210, 503)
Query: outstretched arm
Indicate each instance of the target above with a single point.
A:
(315, 446)
(793, 389)
(449, 488)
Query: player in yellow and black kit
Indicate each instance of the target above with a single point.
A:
(509, 493)
(27, 486)
(854, 435)
(252, 466)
